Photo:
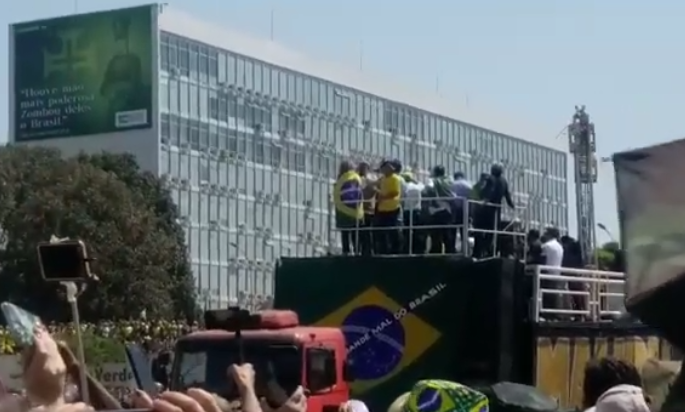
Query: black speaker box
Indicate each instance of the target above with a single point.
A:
(497, 311)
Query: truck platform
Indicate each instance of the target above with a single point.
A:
(478, 322)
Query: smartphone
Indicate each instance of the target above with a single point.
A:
(65, 261)
(21, 324)
(142, 368)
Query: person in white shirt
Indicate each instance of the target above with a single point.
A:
(553, 254)
(414, 241)
(462, 190)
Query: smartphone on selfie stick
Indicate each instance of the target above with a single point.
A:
(233, 319)
(66, 262)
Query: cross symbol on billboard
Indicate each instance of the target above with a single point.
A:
(70, 58)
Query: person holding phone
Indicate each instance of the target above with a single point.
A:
(47, 366)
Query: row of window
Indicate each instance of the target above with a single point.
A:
(297, 189)
(222, 281)
(287, 219)
(288, 227)
(267, 149)
(223, 247)
(199, 72)
(283, 223)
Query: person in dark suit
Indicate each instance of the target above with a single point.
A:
(489, 214)
(573, 258)
(534, 255)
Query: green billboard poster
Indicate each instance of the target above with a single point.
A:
(83, 74)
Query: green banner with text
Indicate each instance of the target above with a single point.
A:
(83, 74)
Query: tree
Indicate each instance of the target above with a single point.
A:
(42, 194)
(606, 255)
(158, 198)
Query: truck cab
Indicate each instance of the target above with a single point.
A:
(283, 353)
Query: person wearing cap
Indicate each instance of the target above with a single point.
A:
(414, 241)
(442, 231)
(462, 190)
(489, 214)
(347, 195)
(388, 208)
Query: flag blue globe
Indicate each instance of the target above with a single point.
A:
(373, 355)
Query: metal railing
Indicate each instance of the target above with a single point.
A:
(561, 293)
(422, 223)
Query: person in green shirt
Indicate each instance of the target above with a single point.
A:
(476, 191)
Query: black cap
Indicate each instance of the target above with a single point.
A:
(387, 162)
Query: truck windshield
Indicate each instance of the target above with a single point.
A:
(204, 364)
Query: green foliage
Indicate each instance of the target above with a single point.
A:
(125, 216)
(104, 342)
(158, 199)
(605, 255)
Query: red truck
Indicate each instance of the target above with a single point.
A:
(282, 351)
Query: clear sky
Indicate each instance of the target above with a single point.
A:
(533, 58)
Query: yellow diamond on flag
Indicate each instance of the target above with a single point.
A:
(383, 336)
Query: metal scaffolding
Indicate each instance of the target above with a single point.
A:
(583, 148)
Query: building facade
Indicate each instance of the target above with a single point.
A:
(250, 136)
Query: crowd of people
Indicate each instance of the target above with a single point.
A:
(389, 211)
(50, 375)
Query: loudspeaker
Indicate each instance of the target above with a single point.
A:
(490, 350)
(651, 204)
(516, 397)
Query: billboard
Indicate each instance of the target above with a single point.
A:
(83, 74)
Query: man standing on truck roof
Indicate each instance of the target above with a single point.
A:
(369, 206)
(489, 214)
(388, 209)
(414, 241)
(553, 253)
(462, 190)
(347, 195)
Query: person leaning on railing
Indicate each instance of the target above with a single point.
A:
(489, 214)
(442, 232)
(414, 239)
(347, 195)
(462, 189)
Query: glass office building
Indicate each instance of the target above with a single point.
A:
(250, 137)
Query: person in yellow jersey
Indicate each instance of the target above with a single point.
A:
(388, 210)
(349, 212)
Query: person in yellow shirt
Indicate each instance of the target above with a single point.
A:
(388, 211)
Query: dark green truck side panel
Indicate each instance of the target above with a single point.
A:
(402, 316)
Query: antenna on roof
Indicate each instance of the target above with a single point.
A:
(271, 25)
(361, 55)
